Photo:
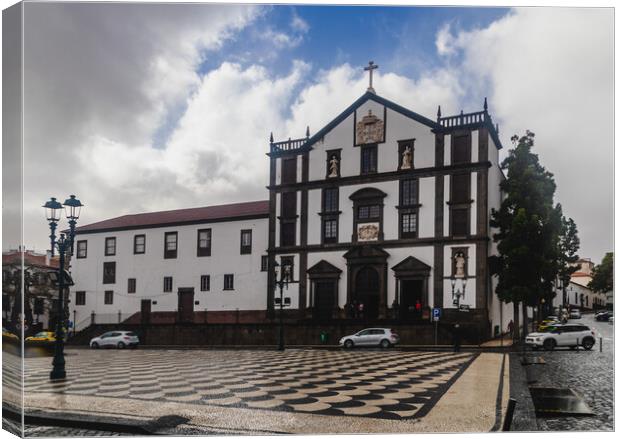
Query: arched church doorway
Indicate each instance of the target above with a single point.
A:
(367, 289)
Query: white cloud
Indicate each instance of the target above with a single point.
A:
(550, 70)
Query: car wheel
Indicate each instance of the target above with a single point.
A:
(385, 344)
(549, 344)
(120, 345)
(348, 344)
(94, 345)
(587, 343)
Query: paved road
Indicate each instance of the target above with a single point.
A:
(258, 392)
(589, 373)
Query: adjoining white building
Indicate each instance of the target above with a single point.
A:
(578, 295)
(381, 207)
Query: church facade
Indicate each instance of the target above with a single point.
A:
(388, 209)
(382, 214)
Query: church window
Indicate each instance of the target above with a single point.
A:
(289, 170)
(409, 224)
(108, 298)
(170, 245)
(205, 282)
(167, 284)
(287, 233)
(368, 212)
(408, 192)
(330, 215)
(460, 188)
(110, 246)
(229, 281)
(131, 285)
(246, 242)
(461, 149)
(109, 272)
(81, 249)
(264, 263)
(288, 205)
(369, 159)
(139, 244)
(204, 242)
(460, 222)
(80, 298)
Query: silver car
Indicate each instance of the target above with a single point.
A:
(371, 337)
(115, 339)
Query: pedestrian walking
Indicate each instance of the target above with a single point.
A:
(456, 337)
(511, 328)
(360, 308)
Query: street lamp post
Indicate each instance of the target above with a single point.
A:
(458, 294)
(282, 276)
(65, 247)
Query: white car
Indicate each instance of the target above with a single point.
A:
(570, 335)
(574, 314)
(115, 339)
(371, 337)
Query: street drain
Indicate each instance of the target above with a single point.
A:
(526, 361)
(550, 401)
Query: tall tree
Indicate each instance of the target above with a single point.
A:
(567, 255)
(603, 275)
(528, 228)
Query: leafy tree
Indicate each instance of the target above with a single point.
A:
(603, 275)
(567, 255)
(528, 230)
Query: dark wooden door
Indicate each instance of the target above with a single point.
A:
(324, 299)
(367, 291)
(145, 311)
(186, 304)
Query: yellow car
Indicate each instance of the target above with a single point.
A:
(42, 337)
(545, 324)
(7, 335)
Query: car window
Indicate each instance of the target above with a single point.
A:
(130, 334)
(364, 332)
(115, 334)
(377, 331)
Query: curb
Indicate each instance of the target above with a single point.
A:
(89, 422)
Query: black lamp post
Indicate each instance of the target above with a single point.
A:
(65, 246)
(282, 277)
(52, 214)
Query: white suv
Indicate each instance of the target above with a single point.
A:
(115, 339)
(570, 335)
(371, 337)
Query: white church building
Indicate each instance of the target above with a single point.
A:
(383, 213)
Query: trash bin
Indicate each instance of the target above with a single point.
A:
(324, 337)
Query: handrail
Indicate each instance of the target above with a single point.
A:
(463, 119)
(288, 145)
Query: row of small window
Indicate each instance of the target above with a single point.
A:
(205, 285)
(203, 244)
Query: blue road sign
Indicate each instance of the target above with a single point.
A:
(436, 313)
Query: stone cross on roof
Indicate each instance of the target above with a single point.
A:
(371, 66)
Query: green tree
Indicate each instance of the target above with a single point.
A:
(528, 230)
(567, 255)
(603, 275)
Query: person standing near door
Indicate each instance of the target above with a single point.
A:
(456, 337)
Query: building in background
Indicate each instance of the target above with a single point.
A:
(382, 214)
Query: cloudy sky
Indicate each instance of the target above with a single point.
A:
(137, 107)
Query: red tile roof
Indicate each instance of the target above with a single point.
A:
(30, 259)
(197, 215)
(580, 274)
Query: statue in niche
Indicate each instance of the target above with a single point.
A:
(369, 129)
(333, 166)
(459, 265)
(407, 162)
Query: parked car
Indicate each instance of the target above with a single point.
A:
(41, 338)
(371, 337)
(604, 316)
(549, 321)
(611, 320)
(570, 335)
(115, 339)
(574, 314)
(8, 335)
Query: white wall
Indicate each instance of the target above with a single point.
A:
(149, 269)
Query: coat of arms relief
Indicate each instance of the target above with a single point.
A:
(369, 129)
(368, 232)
